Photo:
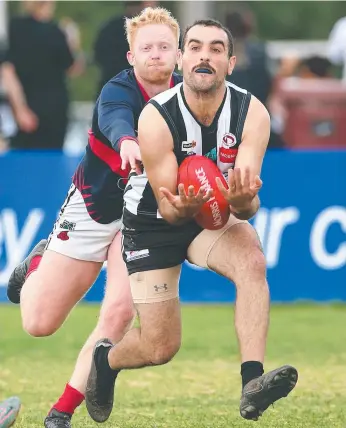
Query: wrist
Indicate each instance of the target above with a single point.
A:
(246, 212)
(169, 214)
(127, 138)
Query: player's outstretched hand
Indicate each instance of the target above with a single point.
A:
(241, 190)
(130, 155)
(187, 205)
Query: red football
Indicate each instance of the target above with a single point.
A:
(198, 171)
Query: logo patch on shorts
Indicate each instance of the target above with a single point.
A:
(135, 255)
(63, 235)
(67, 225)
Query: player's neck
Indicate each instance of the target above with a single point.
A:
(153, 89)
(204, 106)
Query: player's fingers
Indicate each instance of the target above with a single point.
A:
(258, 181)
(182, 193)
(221, 187)
(137, 155)
(209, 193)
(191, 192)
(246, 183)
(257, 184)
(231, 180)
(139, 169)
(132, 162)
(124, 161)
(200, 194)
(237, 180)
(168, 195)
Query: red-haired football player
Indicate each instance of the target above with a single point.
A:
(57, 274)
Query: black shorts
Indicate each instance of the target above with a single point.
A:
(150, 244)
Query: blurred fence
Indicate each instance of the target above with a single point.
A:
(302, 223)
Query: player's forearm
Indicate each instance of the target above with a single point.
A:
(115, 118)
(248, 212)
(13, 87)
(117, 131)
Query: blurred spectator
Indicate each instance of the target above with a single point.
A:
(251, 71)
(39, 55)
(111, 45)
(10, 90)
(72, 33)
(308, 109)
(337, 45)
(314, 67)
(2, 104)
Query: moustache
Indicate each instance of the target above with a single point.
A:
(205, 66)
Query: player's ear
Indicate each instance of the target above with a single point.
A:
(231, 64)
(130, 58)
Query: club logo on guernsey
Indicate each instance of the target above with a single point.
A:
(227, 154)
(229, 140)
(214, 206)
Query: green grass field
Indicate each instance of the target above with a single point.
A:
(201, 386)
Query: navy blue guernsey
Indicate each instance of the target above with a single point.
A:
(99, 176)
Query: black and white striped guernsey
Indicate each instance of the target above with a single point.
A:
(219, 142)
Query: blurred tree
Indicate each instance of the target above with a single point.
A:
(296, 20)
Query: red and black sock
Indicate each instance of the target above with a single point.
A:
(69, 401)
(33, 265)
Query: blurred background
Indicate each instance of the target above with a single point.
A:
(291, 55)
(55, 57)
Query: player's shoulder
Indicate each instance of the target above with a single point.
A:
(236, 89)
(258, 114)
(124, 78)
(239, 96)
(166, 96)
(122, 86)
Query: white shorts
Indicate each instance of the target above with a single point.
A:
(77, 235)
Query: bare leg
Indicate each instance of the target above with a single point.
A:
(237, 255)
(50, 293)
(155, 342)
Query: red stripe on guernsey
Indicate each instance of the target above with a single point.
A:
(144, 93)
(107, 155)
